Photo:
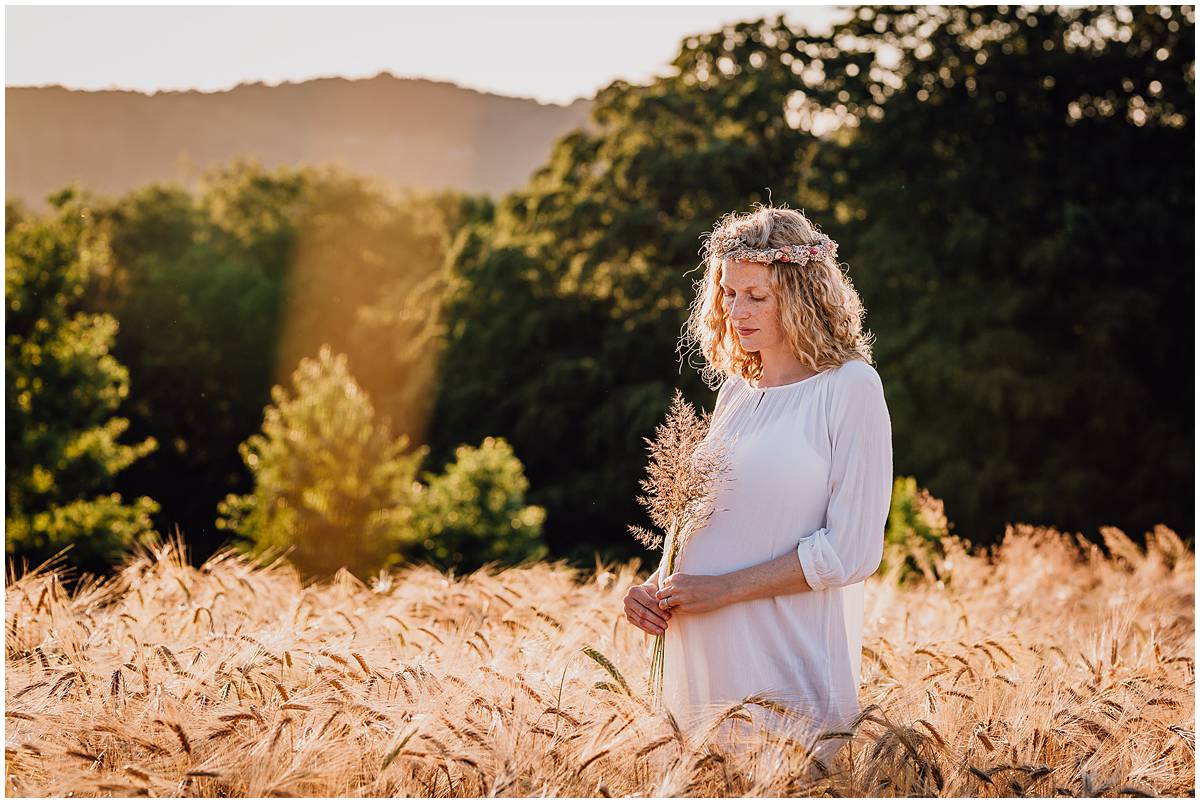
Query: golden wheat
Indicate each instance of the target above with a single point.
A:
(236, 679)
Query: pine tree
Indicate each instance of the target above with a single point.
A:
(330, 480)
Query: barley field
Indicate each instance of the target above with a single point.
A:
(1044, 667)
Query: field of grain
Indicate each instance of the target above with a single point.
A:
(1045, 668)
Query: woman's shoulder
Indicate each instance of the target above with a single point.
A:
(856, 373)
(729, 383)
(854, 385)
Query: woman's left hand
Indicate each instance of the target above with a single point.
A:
(692, 593)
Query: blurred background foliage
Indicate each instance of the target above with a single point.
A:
(1011, 188)
(62, 387)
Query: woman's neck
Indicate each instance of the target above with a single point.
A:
(783, 370)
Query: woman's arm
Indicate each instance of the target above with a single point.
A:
(697, 593)
(849, 547)
(783, 575)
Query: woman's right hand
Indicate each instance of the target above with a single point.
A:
(641, 608)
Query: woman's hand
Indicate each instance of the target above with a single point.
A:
(692, 593)
(641, 608)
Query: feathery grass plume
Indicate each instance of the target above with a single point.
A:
(681, 487)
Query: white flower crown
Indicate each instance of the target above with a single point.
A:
(727, 247)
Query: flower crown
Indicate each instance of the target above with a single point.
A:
(733, 247)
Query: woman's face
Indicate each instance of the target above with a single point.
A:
(751, 305)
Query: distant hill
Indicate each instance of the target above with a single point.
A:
(412, 132)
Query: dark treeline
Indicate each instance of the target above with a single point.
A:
(1011, 190)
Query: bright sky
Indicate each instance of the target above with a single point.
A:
(551, 53)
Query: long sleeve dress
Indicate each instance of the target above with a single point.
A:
(810, 475)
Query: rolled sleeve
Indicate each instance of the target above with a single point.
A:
(849, 547)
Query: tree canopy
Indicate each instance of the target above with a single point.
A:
(1011, 189)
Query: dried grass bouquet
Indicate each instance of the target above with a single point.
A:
(681, 487)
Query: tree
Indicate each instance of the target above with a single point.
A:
(199, 319)
(994, 176)
(329, 479)
(1014, 194)
(61, 388)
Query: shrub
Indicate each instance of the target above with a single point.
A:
(475, 512)
(916, 528)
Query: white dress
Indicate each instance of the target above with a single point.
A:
(810, 475)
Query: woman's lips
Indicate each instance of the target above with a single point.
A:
(741, 330)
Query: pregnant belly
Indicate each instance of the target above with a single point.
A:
(747, 648)
(730, 542)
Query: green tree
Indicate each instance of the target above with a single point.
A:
(993, 176)
(61, 388)
(330, 480)
(1012, 194)
(474, 512)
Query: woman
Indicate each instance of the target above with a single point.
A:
(767, 597)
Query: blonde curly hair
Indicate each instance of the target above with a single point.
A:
(820, 312)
